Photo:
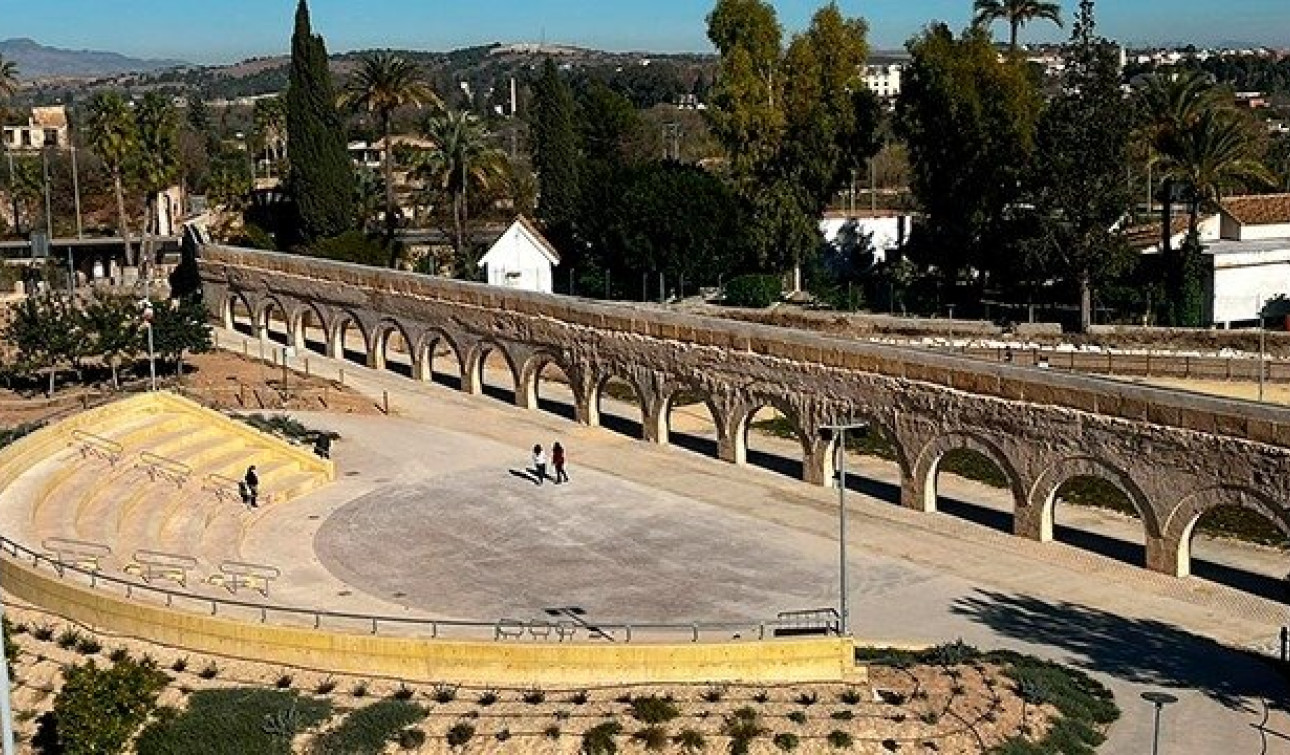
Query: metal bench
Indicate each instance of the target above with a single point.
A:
(79, 553)
(90, 444)
(510, 629)
(235, 575)
(816, 621)
(158, 565)
(159, 467)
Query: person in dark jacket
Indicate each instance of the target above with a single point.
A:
(557, 461)
(252, 481)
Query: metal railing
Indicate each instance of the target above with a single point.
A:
(166, 469)
(224, 487)
(97, 446)
(429, 628)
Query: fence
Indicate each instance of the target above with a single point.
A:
(503, 629)
(1139, 365)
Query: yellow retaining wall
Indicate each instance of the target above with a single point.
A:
(508, 664)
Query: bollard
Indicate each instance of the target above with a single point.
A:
(385, 402)
(306, 366)
(342, 377)
(246, 351)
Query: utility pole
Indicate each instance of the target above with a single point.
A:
(49, 215)
(76, 181)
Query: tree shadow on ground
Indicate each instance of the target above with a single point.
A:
(1142, 651)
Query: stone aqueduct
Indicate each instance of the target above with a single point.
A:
(1174, 455)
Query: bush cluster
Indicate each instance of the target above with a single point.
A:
(99, 709)
(753, 291)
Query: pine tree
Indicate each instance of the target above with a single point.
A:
(556, 158)
(322, 179)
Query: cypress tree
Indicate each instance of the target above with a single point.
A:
(322, 179)
(556, 158)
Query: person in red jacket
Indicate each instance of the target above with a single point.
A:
(557, 460)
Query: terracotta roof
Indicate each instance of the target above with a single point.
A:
(1147, 235)
(50, 116)
(1258, 209)
(532, 228)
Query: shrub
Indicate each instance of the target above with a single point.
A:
(43, 632)
(850, 696)
(653, 738)
(359, 690)
(713, 694)
(797, 716)
(654, 709)
(209, 671)
(929, 717)
(352, 246)
(98, 710)
(761, 696)
(326, 686)
(444, 693)
(742, 726)
(502, 735)
(755, 291)
(234, 722)
(953, 654)
(1085, 704)
(689, 740)
(283, 682)
(10, 647)
(88, 646)
(404, 692)
(840, 740)
(69, 639)
(412, 739)
(806, 699)
(533, 696)
(552, 731)
(367, 731)
(600, 739)
(786, 741)
(179, 665)
(460, 733)
(579, 698)
(118, 654)
(487, 698)
(842, 715)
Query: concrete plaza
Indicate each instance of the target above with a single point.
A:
(433, 516)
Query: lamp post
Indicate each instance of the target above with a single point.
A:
(152, 358)
(839, 433)
(1160, 700)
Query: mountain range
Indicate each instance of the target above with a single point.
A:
(37, 61)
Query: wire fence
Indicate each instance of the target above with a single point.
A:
(1139, 365)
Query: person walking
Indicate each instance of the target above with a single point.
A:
(252, 481)
(539, 464)
(557, 461)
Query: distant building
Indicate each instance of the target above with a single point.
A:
(522, 259)
(887, 230)
(47, 127)
(884, 80)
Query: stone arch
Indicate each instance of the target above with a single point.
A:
(1036, 519)
(473, 377)
(424, 355)
(227, 312)
(1173, 552)
(268, 303)
(721, 417)
(929, 459)
(528, 388)
(596, 391)
(741, 427)
(379, 340)
(822, 462)
(340, 320)
(300, 326)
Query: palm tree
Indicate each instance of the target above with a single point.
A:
(111, 133)
(1209, 154)
(271, 126)
(156, 164)
(8, 87)
(462, 160)
(384, 83)
(1017, 13)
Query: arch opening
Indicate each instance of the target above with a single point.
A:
(620, 407)
(968, 482)
(772, 440)
(1095, 514)
(1238, 547)
(553, 390)
(352, 341)
(442, 361)
(275, 323)
(691, 423)
(874, 462)
(395, 348)
(496, 379)
(243, 319)
(312, 329)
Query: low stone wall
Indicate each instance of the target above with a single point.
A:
(508, 664)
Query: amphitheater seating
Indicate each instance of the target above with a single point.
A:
(141, 488)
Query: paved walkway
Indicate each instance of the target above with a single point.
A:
(440, 469)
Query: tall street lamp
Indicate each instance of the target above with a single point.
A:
(839, 433)
(1160, 700)
(152, 358)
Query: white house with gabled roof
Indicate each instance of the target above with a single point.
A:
(522, 258)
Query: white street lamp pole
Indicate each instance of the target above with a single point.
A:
(152, 358)
(6, 706)
(839, 432)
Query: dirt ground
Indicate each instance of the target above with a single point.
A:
(219, 379)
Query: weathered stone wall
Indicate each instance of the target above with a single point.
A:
(1175, 455)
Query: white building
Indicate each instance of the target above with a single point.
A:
(1251, 258)
(884, 80)
(47, 127)
(887, 230)
(522, 258)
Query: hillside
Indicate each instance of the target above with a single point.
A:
(37, 61)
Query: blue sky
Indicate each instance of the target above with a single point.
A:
(227, 30)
